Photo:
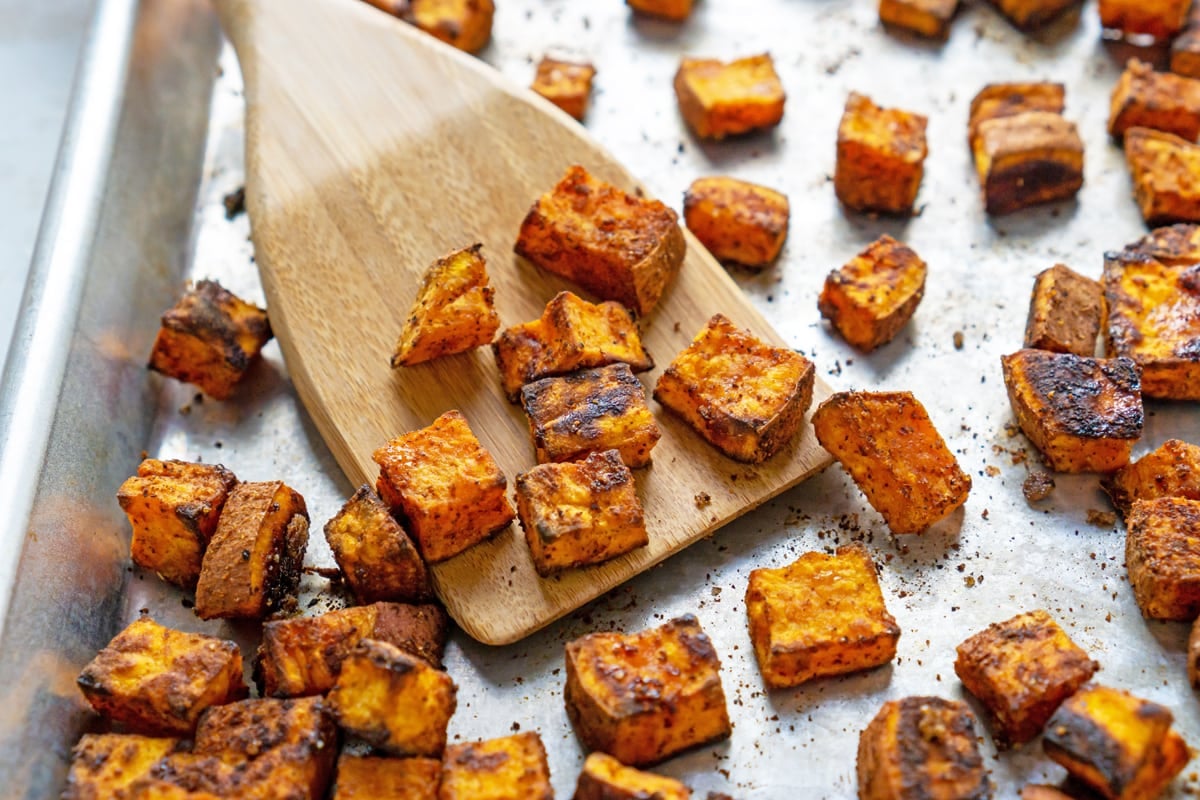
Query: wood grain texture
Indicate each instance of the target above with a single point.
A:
(372, 149)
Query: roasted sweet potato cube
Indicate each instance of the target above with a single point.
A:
(102, 765)
(1029, 14)
(928, 18)
(252, 565)
(1162, 553)
(374, 778)
(303, 655)
(173, 507)
(1185, 52)
(393, 700)
(571, 334)
(567, 84)
(819, 616)
(612, 710)
(156, 680)
(1021, 670)
(605, 778)
(508, 768)
(1161, 19)
(617, 246)
(674, 10)
(873, 296)
(1120, 745)
(1162, 101)
(888, 444)
(1027, 159)
(445, 485)
(718, 99)
(1173, 470)
(1154, 313)
(591, 411)
(1065, 312)
(739, 222)
(998, 100)
(454, 311)
(374, 553)
(880, 157)
(745, 397)
(582, 513)
(1083, 414)
(1166, 176)
(465, 24)
(924, 742)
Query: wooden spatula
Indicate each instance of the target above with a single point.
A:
(372, 149)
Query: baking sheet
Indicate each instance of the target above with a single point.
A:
(993, 559)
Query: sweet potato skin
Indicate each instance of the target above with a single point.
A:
(1066, 311)
(508, 768)
(1173, 470)
(875, 294)
(377, 558)
(606, 778)
(880, 157)
(738, 222)
(718, 99)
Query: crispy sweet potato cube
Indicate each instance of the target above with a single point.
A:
(591, 411)
(880, 157)
(445, 485)
(739, 222)
(605, 778)
(1173, 470)
(393, 700)
(743, 396)
(104, 764)
(508, 768)
(611, 709)
(997, 100)
(1165, 172)
(1021, 670)
(579, 514)
(374, 553)
(1153, 298)
(567, 84)
(617, 246)
(1161, 19)
(374, 778)
(873, 296)
(1120, 745)
(210, 338)
(674, 10)
(252, 565)
(571, 334)
(454, 311)
(1083, 414)
(821, 615)
(303, 655)
(465, 24)
(1161, 101)
(1027, 159)
(928, 18)
(1029, 14)
(1162, 553)
(156, 680)
(925, 742)
(888, 444)
(718, 99)
(173, 507)
(1065, 312)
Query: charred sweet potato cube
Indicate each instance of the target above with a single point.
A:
(1021, 670)
(1173, 470)
(209, 339)
(674, 10)
(374, 553)
(718, 99)
(104, 764)
(873, 296)
(581, 513)
(1065, 312)
(997, 100)
(605, 778)
(739, 222)
(880, 157)
(1162, 101)
(888, 444)
(156, 680)
(612, 710)
(567, 84)
(1154, 312)
(1162, 553)
(1029, 14)
(1027, 159)
(1083, 414)
(508, 768)
(571, 334)
(1161, 19)
(465, 24)
(1165, 171)
(928, 18)
(924, 742)
(454, 311)
(821, 615)
(252, 565)
(445, 485)
(745, 397)
(393, 700)
(617, 246)
(374, 778)
(591, 411)
(303, 655)
(173, 507)
(1119, 745)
